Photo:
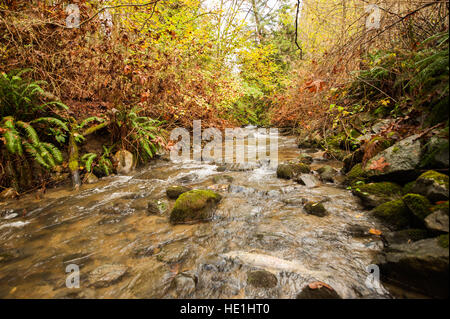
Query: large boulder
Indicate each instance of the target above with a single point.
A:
(125, 162)
(374, 194)
(433, 185)
(173, 192)
(398, 162)
(292, 170)
(195, 205)
(421, 266)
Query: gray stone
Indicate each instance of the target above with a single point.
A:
(107, 275)
(437, 221)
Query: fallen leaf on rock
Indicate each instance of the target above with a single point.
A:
(374, 231)
(318, 285)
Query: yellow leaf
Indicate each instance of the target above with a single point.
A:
(374, 231)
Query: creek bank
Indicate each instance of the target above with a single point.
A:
(404, 183)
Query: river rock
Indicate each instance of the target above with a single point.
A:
(308, 180)
(173, 192)
(156, 207)
(433, 185)
(374, 194)
(418, 205)
(398, 162)
(90, 178)
(318, 291)
(316, 209)
(305, 158)
(395, 214)
(352, 159)
(327, 173)
(436, 153)
(422, 266)
(292, 170)
(405, 236)
(183, 285)
(437, 221)
(195, 205)
(261, 279)
(222, 179)
(107, 275)
(125, 162)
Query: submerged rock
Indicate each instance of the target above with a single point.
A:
(107, 275)
(173, 192)
(292, 170)
(125, 162)
(308, 180)
(183, 285)
(327, 173)
(222, 179)
(422, 266)
(194, 205)
(261, 279)
(374, 194)
(433, 185)
(316, 209)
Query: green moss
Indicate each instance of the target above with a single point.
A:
(382, 188)
(356, 174)
(316, 209)
(394, 213)
(408, 187)
(194, 205)
(443, 241)
(418, 205)
(439, 178)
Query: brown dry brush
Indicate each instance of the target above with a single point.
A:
(93, 73)
(404, 25)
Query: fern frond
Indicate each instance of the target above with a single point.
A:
(88, 159)
(30, 131)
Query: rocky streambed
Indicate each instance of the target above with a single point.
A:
(193, 230)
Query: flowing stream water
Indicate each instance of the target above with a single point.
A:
(259, 224)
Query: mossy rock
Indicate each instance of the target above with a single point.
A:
(292, 170)
(261, 279)
(352, 159)
(173, 192)
(394, 213)
(316, 209)
(374, 194)
(418, 205)
(433, 185)
(222, 179)
(435, 153)
(156, 207)
(305, 158)
(443, 241)
(356, 174)
(194, 205)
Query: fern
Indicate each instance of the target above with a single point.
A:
(88, 159)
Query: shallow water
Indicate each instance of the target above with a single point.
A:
(259, 224)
